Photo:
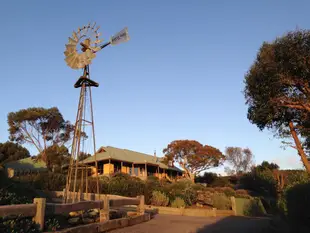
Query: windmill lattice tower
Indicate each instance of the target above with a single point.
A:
(78, 177)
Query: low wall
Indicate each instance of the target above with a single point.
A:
(191, 212)
(108, 225)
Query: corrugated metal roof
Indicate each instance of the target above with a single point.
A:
(30, 164)
(125, 155)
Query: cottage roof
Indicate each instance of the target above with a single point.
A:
(109, 152)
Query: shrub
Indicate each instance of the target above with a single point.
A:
(10, 198)
(120, 184)
(198, 187)
(50, 181)
(18, 225)
(221, 182)
(298, 204)
(178, 203)
(221, 202)
(242, 193)
(159, 199)
(296, 177)
(150, 186)
(206, 178)
(254, 208)
(229, 192)
(262, 182)
(51, 224)
(208, 189)
(182, 189)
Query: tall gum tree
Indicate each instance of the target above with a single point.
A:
(192, 156)
(277, 90)
(40, 127)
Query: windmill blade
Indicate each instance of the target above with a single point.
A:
(97, 41)
(74, 62)
(90, 54)
(70, 47)
(93, 26)
(75, 36)
(72, 41)
(97, 28)
(70, 57)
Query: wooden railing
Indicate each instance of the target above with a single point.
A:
(39, 209)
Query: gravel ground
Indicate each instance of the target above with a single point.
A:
(186, 224)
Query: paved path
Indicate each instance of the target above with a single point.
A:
(185, 224)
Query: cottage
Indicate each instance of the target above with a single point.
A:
(112, 160)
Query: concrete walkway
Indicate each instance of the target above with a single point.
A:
(185, 224)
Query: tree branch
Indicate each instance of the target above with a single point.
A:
(31, 139)
(301, 152)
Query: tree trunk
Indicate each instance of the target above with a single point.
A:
(188, 174)
(299, 148)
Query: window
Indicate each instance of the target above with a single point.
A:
(136, 171)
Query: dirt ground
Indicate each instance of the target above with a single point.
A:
(185, 224)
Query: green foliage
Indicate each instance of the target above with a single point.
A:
(276, 88)
(198, 187)
(10, 198)
(298, 204)
(56, 156)
(262, 182)
(182, 189)
(221, 182)
(10, 151)
(124, 185)
(152, 184)
(254, 208)
(159, 199)
(51, 224)
(18, 225)
(267, 166)
(296, 177)
(50, 181)
(221, 202)
(282, 205)
(40, 127)
(242, 193)
(206, 178)
(229, 192)
(178, 203)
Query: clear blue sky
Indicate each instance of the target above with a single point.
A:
(179, 77)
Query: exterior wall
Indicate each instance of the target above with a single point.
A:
(138, 170)
(108, 168)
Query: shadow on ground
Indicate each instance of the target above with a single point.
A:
(237, 224)
(185, 224)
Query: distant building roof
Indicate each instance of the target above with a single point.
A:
(109, 152)
(30, 164)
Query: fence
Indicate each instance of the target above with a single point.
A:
(39, 209)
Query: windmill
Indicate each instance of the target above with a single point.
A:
(81, 49)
